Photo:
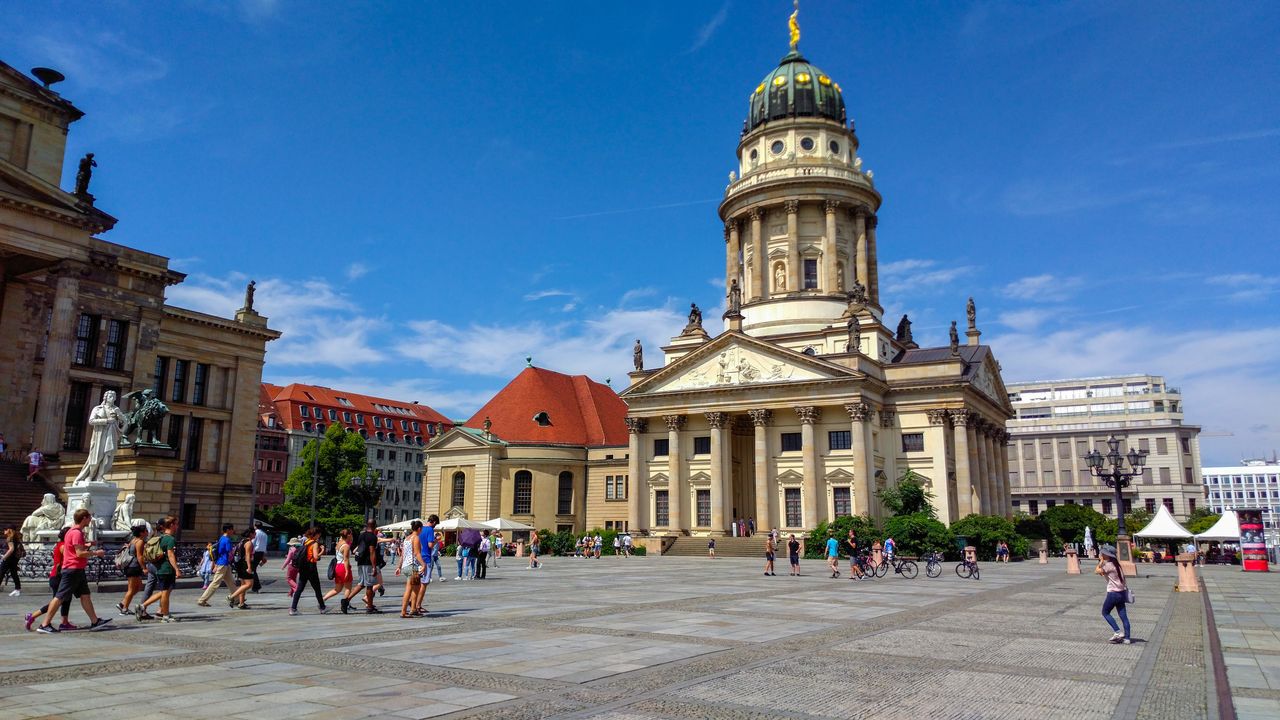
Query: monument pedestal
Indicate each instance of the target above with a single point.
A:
(150, 477)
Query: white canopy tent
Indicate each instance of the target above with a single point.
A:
(1163, 526)
(402, 526)
(1226, 529)
(461, 524)
(501, 523)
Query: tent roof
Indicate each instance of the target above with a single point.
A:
(1163, 526)
(1227, 528)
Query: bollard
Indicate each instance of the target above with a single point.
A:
(1073, 562)
(519, 548)
(1044, 556)
(1187, 580)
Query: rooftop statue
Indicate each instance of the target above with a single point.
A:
(735, 296)
(85, 173)
(637, 355)
(855, 335)
(904, 330)
(249, 290)
(695, 319)
(971, 311)
(955, 339)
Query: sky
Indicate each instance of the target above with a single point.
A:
(429, 193)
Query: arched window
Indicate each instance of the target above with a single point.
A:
(459, 490)
(523, 493)
(564, 498)
(381, 436)
(320, 428)
(306, 426)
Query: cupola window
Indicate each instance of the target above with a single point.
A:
(835, 147)
(806, 144)
(777, 147)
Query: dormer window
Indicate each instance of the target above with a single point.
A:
(810, 351)
(542, 418)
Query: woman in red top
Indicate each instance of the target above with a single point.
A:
(54, 577)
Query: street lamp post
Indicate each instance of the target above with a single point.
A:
(368, 487)
(315, 476)
(1110, 468)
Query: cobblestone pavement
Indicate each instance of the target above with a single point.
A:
(653, 638)
(1246, 611)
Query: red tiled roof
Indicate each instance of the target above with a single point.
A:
(290, 398)
(581, 411)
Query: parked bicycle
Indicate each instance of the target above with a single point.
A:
(933, 564)
(901, 566)
(966, 569)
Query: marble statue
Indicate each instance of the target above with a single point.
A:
(83, 175)
(855, 335)
(857, 164)
(106, 423)
(955, 339)
(695, 319)
(637, 355)
(249, 290)
(971, 310)
(904, 330)
(145, 418)
(733, 176)
(48, 516)
(858, 295)
(122, 518)
(779, 278)
(735, 296)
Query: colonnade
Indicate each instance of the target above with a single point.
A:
(982, 466)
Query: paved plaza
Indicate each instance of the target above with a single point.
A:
(651, 638)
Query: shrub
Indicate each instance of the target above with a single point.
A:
(984, 531)
(816, 542)
(917, 534)
(1067, 523)
(907, 497)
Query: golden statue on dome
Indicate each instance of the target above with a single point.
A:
(794, 25)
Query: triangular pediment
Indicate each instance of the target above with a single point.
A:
(19, 185)
(459, 439)
(790, 476)
(735, 359)
(839, 475)
(984, 376)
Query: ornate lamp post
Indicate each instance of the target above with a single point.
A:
(369, 488)
(1110, 468)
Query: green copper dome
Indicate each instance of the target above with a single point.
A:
(795, 89)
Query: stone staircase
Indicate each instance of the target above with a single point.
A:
(725, 547)
(18, 496)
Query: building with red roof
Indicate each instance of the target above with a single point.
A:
(395, 432)
(271, 452)
(549, 450)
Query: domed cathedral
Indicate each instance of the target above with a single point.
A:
(807, 403)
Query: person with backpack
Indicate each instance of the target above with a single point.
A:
(12, 554)
(291, 571)
(242, 563)
(160, 554)
(129, 561)
(223, 556)
(340, 568)
(482, 557)
(305, 562)
(55, 572)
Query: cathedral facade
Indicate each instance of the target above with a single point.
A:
(808, 403)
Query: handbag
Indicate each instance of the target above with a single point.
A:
(333, 567)
(1129, 597)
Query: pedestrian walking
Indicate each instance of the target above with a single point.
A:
(599, 546)
(851, 547)
(55, 573)
(833, 553)
(617, 545)
(770, 550)
(290, 570)
(793, 555)
(242, 562)
(259, 553)
(150, 555)
(414, 566)
(626, 545)
(12, 554)
(305, 561)
(75, 560)
(35, 461)
(205, 570)
(1002, 551)
(533, 550)
(428, 540)
(223, 554)
(482, 559)
(437, 552)
(342, 574)
(1117, 594)
(497, 547)
(133, 567)
(711, 548)
(367, 557)
(160, 555)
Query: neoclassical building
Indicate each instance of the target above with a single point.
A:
(808, 402)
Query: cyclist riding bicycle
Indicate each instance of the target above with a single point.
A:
(889, 547)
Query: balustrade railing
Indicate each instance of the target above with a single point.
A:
(37, 563)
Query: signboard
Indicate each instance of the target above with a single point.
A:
(1253, 544)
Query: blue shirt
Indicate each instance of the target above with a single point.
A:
(226, 547)
(833, 547)
(427, 536)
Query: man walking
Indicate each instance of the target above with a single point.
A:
(366, 568)
(482, 559)
(75, 560)
(259, 553)
(223, 553)
(833, 553)
(165, 570)
(34, 462)
(851, 547)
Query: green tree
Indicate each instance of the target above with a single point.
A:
(908, 497)
(863, 526)
(919, 533)
(1201, 520)
(1067, 523)
(984, 531)
(339, 496)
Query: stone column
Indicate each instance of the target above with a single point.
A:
(55, 383)
(809, 449)
(794, 274)
(935, 443)
(719, 481)
(984, 498)
(860, 244)
(761, 419)
(760, 276)
(873, 266)
(863, 460)
(964, 479)
(637, 498)
(675, 471)
(732, 265)
(1002, 476)
(830, 279)
(975, 477)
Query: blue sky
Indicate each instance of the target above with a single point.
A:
(427, 193)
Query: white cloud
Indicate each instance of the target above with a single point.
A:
(1024, 320)
(103, 60)
(1043, 288)
(357, 270)
(708, 30)
(918, 276)
(637, 293)
(1246, 287)
(540, 294)
(1033, 198)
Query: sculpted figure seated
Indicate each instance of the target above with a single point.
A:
(48, 516)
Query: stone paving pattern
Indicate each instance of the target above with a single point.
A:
(665, 638)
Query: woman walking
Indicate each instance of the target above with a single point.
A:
(12, 554)
(290, 570)
(55, 573)
(164, 568)
(134, 569)
(1117, 594)
(244, 571)
(415, 568)
(309, 555)
(342, 566)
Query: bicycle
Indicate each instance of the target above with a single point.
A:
(933, 564)
(901, 566)
(966, 569)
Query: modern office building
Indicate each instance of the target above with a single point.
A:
(1253, 484)
(1058, 421)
